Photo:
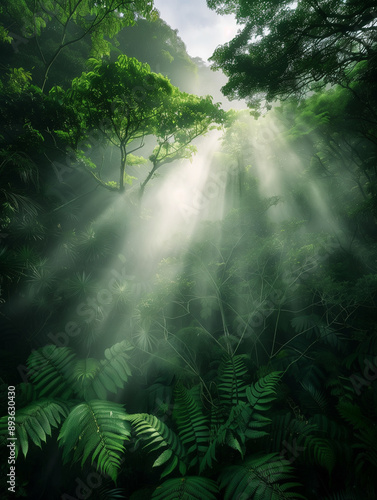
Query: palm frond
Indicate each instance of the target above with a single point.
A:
(29, 228)
(26, 256)
(16, 202)
(96, 429)
(93, 244)
(41, 277)
(81, 285)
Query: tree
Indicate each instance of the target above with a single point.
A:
(125, 102)
(284, 47)
(186, 118)
(72, 20)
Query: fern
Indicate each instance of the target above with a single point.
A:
(94, 379)
(34, 423)
(231, 384)
(192, 425)
(264, 477)
(313, 399)
(245, 420)
(51, 369)
(97, 429)
(159, 437)
(353, 415)
(260, 396)
(226, 433)
(287, 429)
(187, 488)
(321, 452)
(334, 430)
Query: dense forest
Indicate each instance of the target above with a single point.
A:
(188, 285)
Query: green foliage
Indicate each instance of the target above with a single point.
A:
(34, 423)
(158, 437)
(97, 378)
(321, 452)
(97, 430)
(231, 385)
(191, 424)
(245, 421)
(72, 22)
(126, 102)
(283, 48)
(187, 488)
(51, 371)
(278, 286)
(267, 477)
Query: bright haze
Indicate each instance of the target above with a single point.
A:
(200, 28)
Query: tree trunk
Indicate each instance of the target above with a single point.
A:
(122, 169)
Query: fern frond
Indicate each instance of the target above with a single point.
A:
(34, 423)
(353, 415)
(245, 420)
(261, 394)
(192, 425)
(287, 429)
(321, 452)
(328, 427)
(266, 477)
(159, 437)
(313, 399)
(367, 444)
(51, 370)
(94, 379)
(231, 380)
(187, 488)
(233, 432)
(96, 429)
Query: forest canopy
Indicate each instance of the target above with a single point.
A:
(188, 295)
(286, 48)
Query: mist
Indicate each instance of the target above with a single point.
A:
(188, 267)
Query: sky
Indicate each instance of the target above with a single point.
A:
(200, 28)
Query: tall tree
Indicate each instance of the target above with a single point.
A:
(125, 102)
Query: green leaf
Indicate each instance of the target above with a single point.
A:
(96, 428)
(158, 437)
(187, 488)
(34, 422)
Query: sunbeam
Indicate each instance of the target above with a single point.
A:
(188, 258)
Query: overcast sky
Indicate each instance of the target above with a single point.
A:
(201, 29)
